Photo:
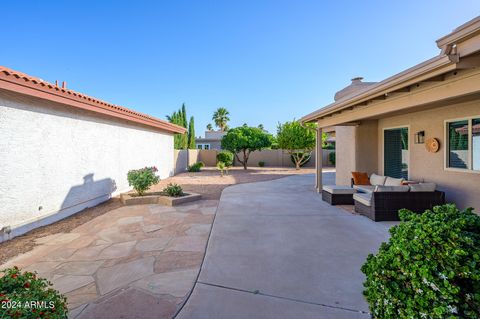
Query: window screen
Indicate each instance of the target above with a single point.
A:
(458, 144)
(476, 144)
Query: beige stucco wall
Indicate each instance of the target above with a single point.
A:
(345, 148)
(460, 187)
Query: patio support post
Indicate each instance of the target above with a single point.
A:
(318, 161)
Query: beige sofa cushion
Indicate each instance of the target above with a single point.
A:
(401, 188)
(390, 181)
(423, 187)
(364, 198)
(377, 179)
(337, 189)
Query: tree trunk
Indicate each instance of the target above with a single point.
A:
(245, 159)
(297, 165)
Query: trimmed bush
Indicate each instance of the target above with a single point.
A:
(430, 267)
(194, 168)
(305, 160)
(261, 164)
(142, 179)
(332, 158)
(24, 295)
(226, 157)
(173, 190)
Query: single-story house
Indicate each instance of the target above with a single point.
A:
(422, 124)
(62, 151)
(211, 141)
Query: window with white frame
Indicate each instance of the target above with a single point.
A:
(203, 146)
(463, 144)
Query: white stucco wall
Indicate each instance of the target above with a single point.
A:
(56, 160)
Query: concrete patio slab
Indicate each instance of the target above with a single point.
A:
(280, 251)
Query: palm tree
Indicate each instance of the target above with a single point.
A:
(209, 127)
(220, 117)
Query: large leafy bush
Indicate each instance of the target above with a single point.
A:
(142, 179)
(226, 157)
(24, 295)
(430, 267)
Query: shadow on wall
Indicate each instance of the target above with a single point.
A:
(88, 194)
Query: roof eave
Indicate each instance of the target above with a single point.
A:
(408, 77)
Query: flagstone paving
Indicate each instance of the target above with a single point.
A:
(132, 262)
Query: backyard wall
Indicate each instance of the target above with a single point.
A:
(57, 160)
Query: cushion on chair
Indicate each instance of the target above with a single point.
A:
(360, 178)
(338, 189)
(401, 188)
(364, 188)
(390, 181)
(423, 187)
(365, 199)
(377, 179)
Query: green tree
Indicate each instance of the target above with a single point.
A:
(260, 126)
(209, 127)
(191, 134)
(245, 140)
(181, 141)
(220, 118)
(297, 140)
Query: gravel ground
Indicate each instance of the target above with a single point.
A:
(208, 183)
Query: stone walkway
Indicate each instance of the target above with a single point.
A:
(133, 262)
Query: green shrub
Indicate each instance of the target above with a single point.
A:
(195, 167)
(305, 160)
(329, 147)
(23, 295)
(430, 267)
(173, 190)
(142, 179)
(201, 164)
(332, 158)
(261, 164)
(226, 157)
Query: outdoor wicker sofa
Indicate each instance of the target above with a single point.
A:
(384, 206)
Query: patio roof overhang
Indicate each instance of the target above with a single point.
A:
(421, 86)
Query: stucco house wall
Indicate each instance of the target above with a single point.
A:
(460, 187)
(57, 160)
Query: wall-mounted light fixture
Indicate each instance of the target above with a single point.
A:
(420, 137)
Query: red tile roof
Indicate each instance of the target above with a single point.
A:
(19, 82)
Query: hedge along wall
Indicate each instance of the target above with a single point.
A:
(58, 160)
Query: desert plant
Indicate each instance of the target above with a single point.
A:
(173, 190)
(305, 158)
(142, 179)
(429, 268)
(221, 166)
(24, 295)
(332, 158)
(220, 118)
(261, 164)
(226, 157)
(245, 140)
(194, 168)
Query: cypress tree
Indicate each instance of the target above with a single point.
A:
(191, 134)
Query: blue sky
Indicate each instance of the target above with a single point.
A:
(265, 61)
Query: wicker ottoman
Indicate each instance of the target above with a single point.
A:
(338, 195)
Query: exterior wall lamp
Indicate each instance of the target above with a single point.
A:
(420, 137)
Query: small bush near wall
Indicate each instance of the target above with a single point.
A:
(195, 167)
(226, 157)
(430, 267)
(142, 179)
(332, 158)
(261, 164)
(23, 295)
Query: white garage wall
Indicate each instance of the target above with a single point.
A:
(56, 160)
